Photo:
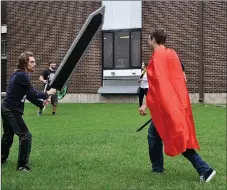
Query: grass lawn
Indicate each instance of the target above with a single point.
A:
(95, 146)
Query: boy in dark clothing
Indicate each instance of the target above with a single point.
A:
(12, 109)
(46, 78)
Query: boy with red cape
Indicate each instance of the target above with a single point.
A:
(169, 105)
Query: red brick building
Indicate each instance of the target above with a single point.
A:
(196, 30)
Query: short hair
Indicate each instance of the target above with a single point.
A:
(159, 35)
(23, 60)
(50, 62)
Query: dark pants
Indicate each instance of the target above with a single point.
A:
(156, 153)
(13, 123)
(142, 92)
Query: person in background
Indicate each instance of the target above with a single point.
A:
(46, 78)
(143, 84)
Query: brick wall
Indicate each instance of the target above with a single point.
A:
(181, 21)
(215, 52)
(48, 29)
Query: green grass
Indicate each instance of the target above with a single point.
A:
(95, 146)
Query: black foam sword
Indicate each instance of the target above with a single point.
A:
(75, 53)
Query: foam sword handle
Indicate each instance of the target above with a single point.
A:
(144, 125)
(45, 88)
(48, 98)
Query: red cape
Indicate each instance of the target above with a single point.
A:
(169, 103)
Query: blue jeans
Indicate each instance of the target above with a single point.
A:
(156, 153)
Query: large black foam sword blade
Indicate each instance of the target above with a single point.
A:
(76, 51)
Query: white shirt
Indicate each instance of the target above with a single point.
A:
(143, 81)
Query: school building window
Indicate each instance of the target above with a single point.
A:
(122, 49)
(3, 64)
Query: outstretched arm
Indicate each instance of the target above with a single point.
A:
(33, 93)
(37, 102)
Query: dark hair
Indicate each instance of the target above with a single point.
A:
(50, 62)
(23, 60)
(159, 35)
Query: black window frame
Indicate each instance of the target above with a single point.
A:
(3, 75)
(4, 65)
(3, 12)
(4, 50)
(113, 34)
(113, 53)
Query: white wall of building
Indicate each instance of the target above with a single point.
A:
(122, 15)
(3, 29)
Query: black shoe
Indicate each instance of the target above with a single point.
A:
(40, 112)
(3, 162)
(159, 171)
(53, 113)
(206, 177)
(24, 168)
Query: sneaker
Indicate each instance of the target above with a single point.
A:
(24, 168)
(206, 177)
(40, 112)
(162, 171)
(3, 162)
